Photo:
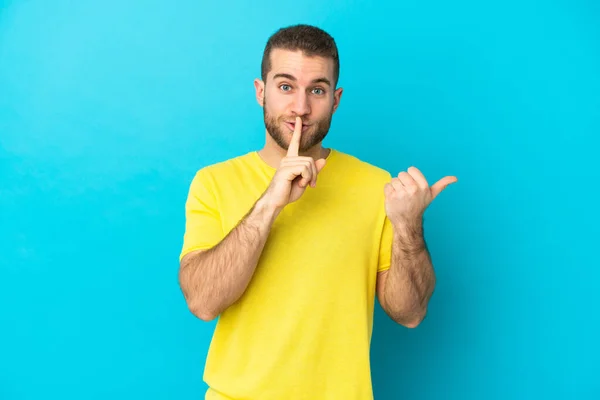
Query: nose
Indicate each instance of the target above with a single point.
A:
(301, 105)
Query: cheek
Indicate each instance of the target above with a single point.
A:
(275, 105)
(322, 109)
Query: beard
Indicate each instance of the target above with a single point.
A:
(281, 135)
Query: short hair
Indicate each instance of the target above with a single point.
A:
(311, 40)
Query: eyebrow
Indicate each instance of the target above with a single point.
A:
(293, 78)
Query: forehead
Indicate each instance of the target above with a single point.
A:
(301, 66)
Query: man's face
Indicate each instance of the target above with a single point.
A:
(302, 86)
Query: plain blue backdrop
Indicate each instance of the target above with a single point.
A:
(108, 108)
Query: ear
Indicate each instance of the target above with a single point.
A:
(259, 86)
(337, 96)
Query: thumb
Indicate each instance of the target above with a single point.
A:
(441, 185)
(320, 163)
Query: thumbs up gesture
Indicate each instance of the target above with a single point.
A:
(408, 195)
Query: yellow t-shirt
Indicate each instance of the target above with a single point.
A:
(302, 329)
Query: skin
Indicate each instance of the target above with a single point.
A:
(214, 279)
(297, 86)
(300, 89)
(405, 289)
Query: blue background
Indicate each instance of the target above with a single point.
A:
(108, 108)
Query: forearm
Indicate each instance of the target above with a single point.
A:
(411, 278)
(214, 279)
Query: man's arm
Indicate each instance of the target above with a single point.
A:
(405, 289)
(213, 279)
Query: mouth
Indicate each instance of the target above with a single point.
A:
(292, 126)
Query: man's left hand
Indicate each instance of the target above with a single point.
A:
(408, 195)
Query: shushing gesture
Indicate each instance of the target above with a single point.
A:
(408, 195)
(294, 173)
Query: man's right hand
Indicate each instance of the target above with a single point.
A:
(294, 174)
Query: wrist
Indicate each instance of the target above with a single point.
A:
(266, 207)
(408, 226)
(410, 234)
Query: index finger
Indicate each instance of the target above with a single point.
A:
(418, 177)
(295, 142)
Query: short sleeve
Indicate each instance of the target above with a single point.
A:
(385, 246)
(203, 228)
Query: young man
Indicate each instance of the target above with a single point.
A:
(289, 245)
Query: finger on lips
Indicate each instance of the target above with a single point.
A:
(294, 146)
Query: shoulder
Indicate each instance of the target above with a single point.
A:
(362, 170)
(209, 176)
(224, 167)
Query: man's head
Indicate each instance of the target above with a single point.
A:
(300, 71)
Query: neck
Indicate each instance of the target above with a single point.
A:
(272, 154)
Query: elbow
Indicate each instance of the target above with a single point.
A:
(412, 323)
(207, 317)
(410, 320)
(409, 316)
(200, 310)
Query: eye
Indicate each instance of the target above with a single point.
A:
(318, 91)
(285, 88)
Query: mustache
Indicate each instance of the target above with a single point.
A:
(292, 120)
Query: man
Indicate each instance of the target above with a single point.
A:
(289, 245)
